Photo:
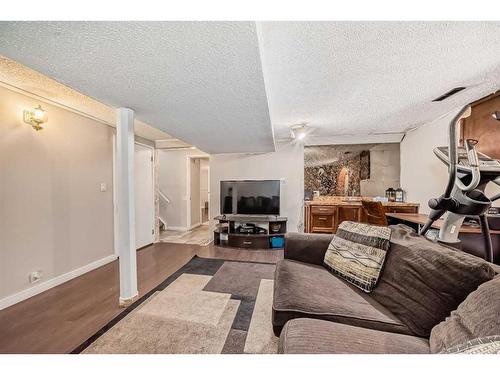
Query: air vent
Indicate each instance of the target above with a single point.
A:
(448, 94)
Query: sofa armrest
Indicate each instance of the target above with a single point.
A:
(307, 247)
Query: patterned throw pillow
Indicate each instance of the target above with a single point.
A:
(357, 253)
(483, 345)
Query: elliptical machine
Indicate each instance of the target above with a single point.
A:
(469, 173)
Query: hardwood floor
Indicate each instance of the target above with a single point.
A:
(60, 319)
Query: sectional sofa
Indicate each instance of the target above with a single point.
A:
(429, 299)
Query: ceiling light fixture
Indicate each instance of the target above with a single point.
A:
(298, 132)
(35, 117)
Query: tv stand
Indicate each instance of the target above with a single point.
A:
(250, 231)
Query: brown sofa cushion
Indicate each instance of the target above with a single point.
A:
(307, 247)
(313, 336)
(308, 291)
(423, 281)
(477, 316)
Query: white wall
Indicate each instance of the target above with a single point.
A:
(423, 176)
(286, 163)
(172, 181)
(53, 216)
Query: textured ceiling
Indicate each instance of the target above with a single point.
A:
(220, 85)
(361, 80)
(16, 76)
(201, 82)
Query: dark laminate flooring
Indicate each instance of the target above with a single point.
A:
(60, 319)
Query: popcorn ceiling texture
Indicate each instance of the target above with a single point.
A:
(201, 82)
(19, 76)
(220, 85)
(365, 78)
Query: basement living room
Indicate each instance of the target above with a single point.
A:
(250, 187)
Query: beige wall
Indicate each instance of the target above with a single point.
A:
(287, 163)
(423, 175)
(53, 216)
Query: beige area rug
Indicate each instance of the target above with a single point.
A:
(209, 306)
(260, 338)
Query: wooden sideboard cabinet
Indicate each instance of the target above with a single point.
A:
(322, 219)
(325, 216)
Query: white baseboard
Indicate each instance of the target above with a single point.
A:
(46, 285)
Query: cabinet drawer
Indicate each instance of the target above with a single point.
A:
(402, 210)
(323, 210)
(249, 242)
(322, 223)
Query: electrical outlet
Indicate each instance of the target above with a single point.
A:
(35, 276)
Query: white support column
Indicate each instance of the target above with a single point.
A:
(125, 205)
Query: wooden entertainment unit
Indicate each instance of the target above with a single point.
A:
(236, 231)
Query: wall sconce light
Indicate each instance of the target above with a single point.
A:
(35, 117)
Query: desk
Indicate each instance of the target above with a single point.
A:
(471, 237)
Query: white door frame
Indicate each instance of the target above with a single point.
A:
(188, 191)
(115, 208)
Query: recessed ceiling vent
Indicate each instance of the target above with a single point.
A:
(449, 93)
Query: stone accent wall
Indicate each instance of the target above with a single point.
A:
(370, 169)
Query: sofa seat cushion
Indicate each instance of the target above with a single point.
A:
(476, 317)
(303, 290)
(313, 336)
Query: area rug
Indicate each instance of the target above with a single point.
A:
(209, 306)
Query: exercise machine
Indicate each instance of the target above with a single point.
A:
(470, 172)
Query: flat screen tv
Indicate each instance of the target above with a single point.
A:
(250, 197)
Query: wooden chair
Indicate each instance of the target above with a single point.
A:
(375, 213)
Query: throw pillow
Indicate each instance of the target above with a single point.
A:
(357, 253)
(483, 345)
(477, 316)
(423, 281)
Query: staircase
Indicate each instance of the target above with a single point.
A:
(163, 203)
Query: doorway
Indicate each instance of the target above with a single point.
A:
(185, 181)
(198, 191)
(197, 207)
(204, 190)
